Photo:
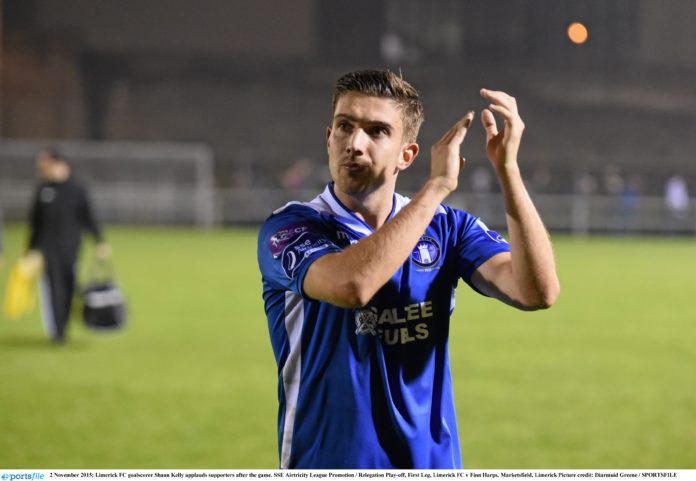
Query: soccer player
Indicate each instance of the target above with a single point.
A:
(359, 283)
(61, 211)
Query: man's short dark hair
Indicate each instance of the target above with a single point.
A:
(386, 84)
(54, 154)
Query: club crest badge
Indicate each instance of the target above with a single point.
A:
(366, 321)
(427, 252)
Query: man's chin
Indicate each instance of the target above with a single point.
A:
(351, 186)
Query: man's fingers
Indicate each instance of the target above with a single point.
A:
(503, 111)
(488, 122)
(462, 127)
(456, 130)
(498, 97)
(501, 99)
(509, 114)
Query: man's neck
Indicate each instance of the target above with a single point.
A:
(373, 207)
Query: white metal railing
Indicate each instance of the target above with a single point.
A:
(568, 213)
(173, 183)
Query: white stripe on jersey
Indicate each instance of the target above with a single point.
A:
(326, 202)
(294, 320)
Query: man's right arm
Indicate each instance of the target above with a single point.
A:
(352, 277)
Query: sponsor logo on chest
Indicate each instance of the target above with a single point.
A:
(396, 325)
(344, 239)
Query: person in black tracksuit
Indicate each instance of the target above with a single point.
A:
(60, 213)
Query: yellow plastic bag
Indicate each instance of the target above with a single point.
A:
(20, 293)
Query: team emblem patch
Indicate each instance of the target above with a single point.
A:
(366, 321)
(427, 252)
(47, 194)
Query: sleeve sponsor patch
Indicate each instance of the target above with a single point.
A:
(494, 236)
(283, 237)
(300, 249)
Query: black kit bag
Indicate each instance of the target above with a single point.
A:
(104, 307)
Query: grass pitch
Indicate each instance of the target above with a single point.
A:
(602, 380)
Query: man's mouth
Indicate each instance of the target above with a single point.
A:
(353, 166)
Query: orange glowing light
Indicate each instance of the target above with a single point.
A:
(577, 33)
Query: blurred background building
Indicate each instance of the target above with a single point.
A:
(214, 111)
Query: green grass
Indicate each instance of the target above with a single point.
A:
(603, 380)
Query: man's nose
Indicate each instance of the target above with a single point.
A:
(356, 143)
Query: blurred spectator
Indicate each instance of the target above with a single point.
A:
(481, 188)
(585, 186)
(392, 48)
(396, 51)
(298, 175)
(613, 182)
(541, 179)
(630, 197)
(677, 196)
(481, 180)
(60, 213)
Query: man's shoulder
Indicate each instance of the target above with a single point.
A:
(77, 182)
(293, 217)
(297, 224)
(293, 212)
(296, 208)
(72, 184)
(313, 210)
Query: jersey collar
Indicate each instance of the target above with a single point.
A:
(329, 203)
(336, 207)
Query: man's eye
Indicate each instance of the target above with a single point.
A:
(343, 125)
(378, 131)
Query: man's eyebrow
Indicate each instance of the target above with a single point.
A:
(378, 123)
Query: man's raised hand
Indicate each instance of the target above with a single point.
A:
(502, 147)
(446, 162)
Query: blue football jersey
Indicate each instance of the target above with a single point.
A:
(368, 387)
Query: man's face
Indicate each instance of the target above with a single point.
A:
(365, 144)
(44, 166)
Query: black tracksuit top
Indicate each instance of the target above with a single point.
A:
(61, 212)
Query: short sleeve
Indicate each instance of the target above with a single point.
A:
(289, 242)
(476, 243)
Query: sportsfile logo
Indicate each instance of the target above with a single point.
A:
(13, 476)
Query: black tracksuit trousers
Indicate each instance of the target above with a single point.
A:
(57, 289)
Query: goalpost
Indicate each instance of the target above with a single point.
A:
(129, 182)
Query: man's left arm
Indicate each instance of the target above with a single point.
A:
(526, 276)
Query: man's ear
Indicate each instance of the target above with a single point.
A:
(408, 155)
(328, 137)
